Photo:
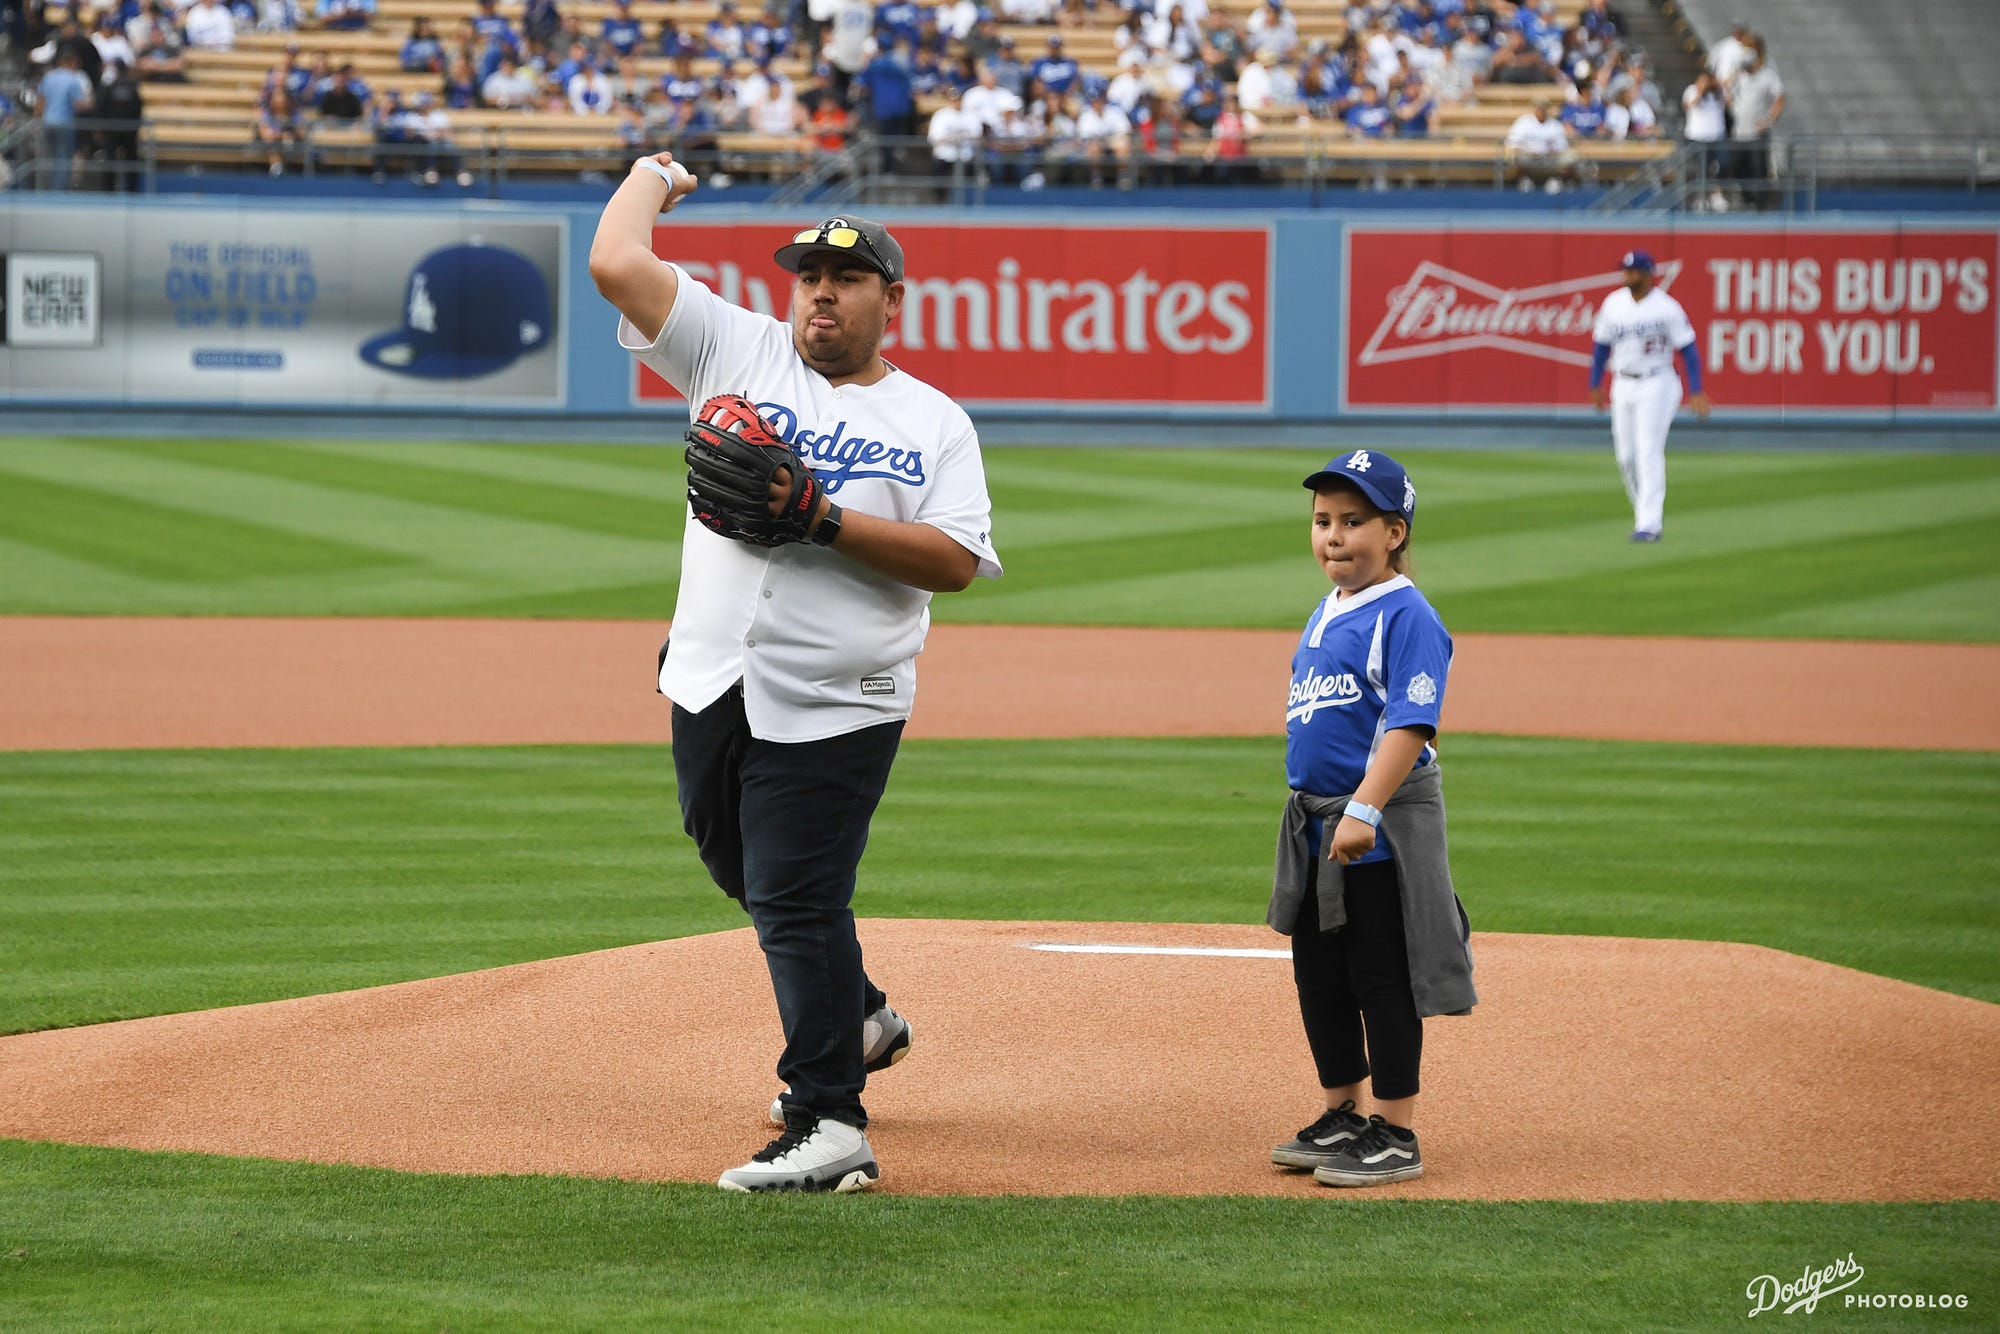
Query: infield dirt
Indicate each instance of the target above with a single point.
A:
(1594, 1068)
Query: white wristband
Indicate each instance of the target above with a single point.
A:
(1362, 811)
(665, 173)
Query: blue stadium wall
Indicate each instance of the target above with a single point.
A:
(480, 319)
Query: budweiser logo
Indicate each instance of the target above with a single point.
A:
(1440, 310)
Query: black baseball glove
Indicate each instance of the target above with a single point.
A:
(735, 460)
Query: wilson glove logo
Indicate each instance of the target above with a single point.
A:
(838, 458)
(1334, 690)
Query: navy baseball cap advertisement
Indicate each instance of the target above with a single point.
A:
(468, 310)
(1375, 475)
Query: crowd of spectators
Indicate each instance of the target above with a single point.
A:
(1190, 80)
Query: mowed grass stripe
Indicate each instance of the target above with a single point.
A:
(1775, 588)
(151, 881)
(460, 554)
(156, 542)
(1527, 541)
(401, 477)
(257, 1245)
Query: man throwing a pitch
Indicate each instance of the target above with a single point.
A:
(829, 494)
(1638, 329)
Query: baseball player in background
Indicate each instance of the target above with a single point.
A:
(1638, 329)
(792, 666)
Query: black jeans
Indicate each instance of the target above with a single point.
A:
(781, 828)
(1356, 976)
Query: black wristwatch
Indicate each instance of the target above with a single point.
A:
(829, 526)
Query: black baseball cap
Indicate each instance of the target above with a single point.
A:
(858, 239)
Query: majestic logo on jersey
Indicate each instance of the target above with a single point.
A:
(1440, 310)
(1422, 689)
(838, 458)
(1333, 690)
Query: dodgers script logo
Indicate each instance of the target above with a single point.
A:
(838, 458)
(1333, 690)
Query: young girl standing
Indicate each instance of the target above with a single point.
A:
(1363, 885)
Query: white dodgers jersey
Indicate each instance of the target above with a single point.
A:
(823, 644)
(1642, 335)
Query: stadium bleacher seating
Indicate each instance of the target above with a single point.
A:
(210, 118)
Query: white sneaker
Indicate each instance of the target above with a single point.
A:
(810, 1156)
(885, 1040)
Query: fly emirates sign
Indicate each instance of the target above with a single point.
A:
(1029, 314)
(1847, 320)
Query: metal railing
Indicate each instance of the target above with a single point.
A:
(876, 170)
(104, 155)
(1788, 175)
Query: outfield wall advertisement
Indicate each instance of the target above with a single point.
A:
(273, 307)
(1043, 314)
(1796, 320)
(1229, 321)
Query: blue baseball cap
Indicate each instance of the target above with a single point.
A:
(468, 310)
(1636, 259)
(1376, 476)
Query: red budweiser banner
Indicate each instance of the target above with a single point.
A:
(1849, 320)
(1028, 314)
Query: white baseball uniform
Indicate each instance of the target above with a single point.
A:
(824, 645)
(1645, 392)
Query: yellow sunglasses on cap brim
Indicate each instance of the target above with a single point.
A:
(846, 238)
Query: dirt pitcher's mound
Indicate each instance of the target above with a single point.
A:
(1595, 1069)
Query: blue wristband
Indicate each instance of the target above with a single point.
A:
(1362, 811)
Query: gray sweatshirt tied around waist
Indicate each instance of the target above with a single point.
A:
(1438, 934)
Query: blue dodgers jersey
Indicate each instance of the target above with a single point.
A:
(1365, 665)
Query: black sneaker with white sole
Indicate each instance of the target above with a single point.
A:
(1378, 1155)
(1317, 1144)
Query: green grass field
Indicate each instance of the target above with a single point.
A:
(135, 883)
(1871, 546)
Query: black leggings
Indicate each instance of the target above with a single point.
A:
(1356, 976)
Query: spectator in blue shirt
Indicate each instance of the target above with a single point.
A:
(574, 61)
(540, 21)
(1588, 117)
(461, 84)
(1368, 118)
(926, 75)
(1415, 110)
(682, 84)
(494, 29)
(64, 92)
(423, 52)
(771, 35)
(621, 31)
(1203, 101)
(1008, 71)
(726, 36)
(345, 15)
(1055, 71)
(902, 18)
(892, 103)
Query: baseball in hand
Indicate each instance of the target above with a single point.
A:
(679, 177)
